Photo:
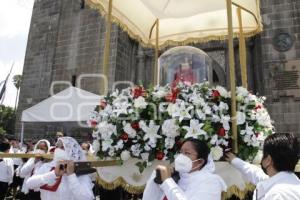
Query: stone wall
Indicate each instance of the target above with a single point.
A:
(66, 41)
(281, 62)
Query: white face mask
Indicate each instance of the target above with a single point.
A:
(184, 164)
(60, 154)
(39, 151)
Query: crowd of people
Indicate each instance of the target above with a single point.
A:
(42, 178)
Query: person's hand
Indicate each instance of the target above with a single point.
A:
(70, 168)
(164, 171)
(59, 171)
(229, 156)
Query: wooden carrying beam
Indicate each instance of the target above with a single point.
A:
(96, 163)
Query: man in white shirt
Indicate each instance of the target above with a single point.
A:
(6, 169)
(275, 180)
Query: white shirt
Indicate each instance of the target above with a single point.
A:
(6, 170)
(71, 187)
(198, 185)
(27, 170)
(282, 186)
(17, 161)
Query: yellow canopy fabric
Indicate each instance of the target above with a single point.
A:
(180, 21)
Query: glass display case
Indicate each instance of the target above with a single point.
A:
(184, 64)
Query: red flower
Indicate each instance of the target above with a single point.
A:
(138, 91)
(124, 136)
(93, 123)
(160, 155)
(135, 125)
(171, 97)
(103, 104)
(258, 107)
(221, 132)
(216, 94)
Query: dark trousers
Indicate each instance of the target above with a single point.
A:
(32, 195)
(3, 189)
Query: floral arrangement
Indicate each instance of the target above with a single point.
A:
(152, 123)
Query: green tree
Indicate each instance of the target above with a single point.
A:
(17, 82)
(7, 119)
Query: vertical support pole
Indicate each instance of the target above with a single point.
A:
(155, 78)
(107, 45)
(232, 77)
(242, 50)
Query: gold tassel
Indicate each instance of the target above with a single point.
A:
(233, 190)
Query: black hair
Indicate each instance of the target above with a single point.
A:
(4, 146)
(11, 137)
(200, 147)
(283, 149)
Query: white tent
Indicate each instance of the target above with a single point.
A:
(70, 105)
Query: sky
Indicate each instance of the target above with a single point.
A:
(15, 16)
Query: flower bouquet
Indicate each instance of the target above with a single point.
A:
(151, 123)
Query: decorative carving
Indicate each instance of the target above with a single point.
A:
(282, 41)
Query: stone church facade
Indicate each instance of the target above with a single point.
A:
(66, 39)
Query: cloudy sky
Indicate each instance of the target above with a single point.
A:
(15, 18)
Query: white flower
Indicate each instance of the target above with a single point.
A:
(121, 106)
(106, 130)
(248, 130)
(106, 144)
(150, 131)
(119, 145)
(214, 139)
(194, 130)
(111, 152)
(196, 100)
(125, 155)
(106, 112)
(225, 121)
(171, 108)
(145, 156)
(147, 148)
(200, 114)
(170, 129)
(223, 92)
(182, 112)
(216, 152)
(207, 109)
(96, 145)
(223, 106)
(129, 130)
(243, 92)
(241, 118)
(159, 92)
(263, 118)
(140, 102)
(215, 118)
(135, 149)
(169, 143)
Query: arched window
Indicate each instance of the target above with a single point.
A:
(184, 64)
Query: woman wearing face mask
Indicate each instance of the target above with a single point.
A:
(32, 165)
(61, 183)
(197, 180)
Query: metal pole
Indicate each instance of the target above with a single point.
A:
(232, 77)
(242, 50)
(107, 45)
(155, 78)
